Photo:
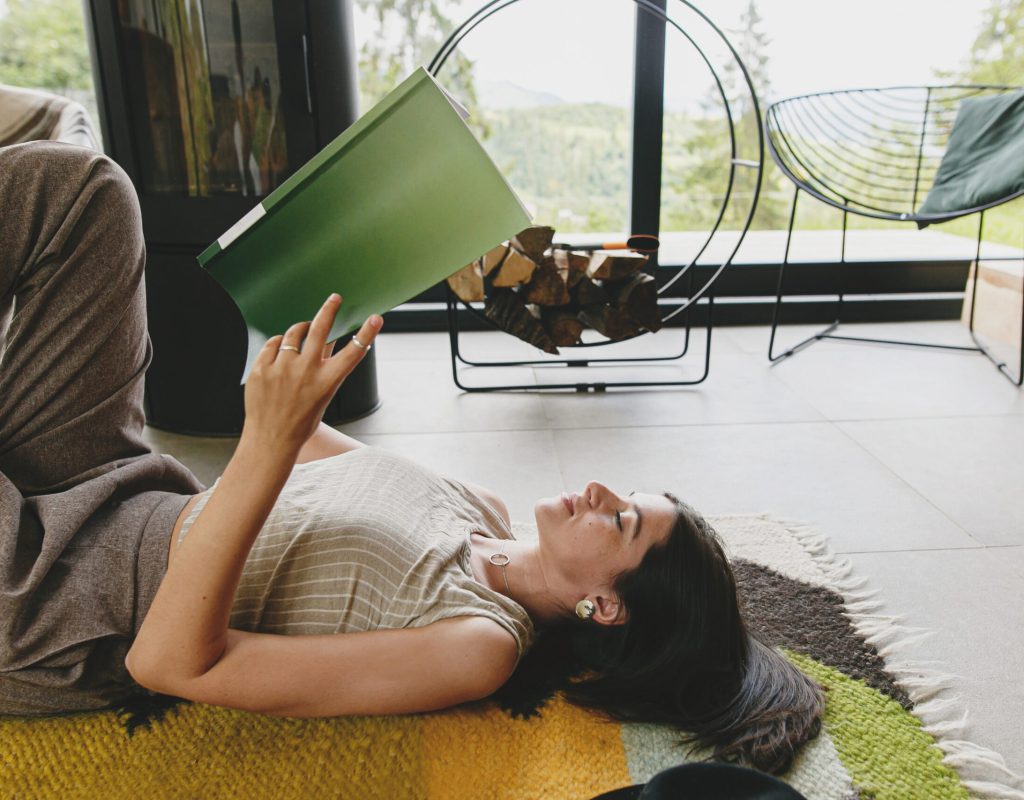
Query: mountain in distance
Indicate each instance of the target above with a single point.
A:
(506, 95)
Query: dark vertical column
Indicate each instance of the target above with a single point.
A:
(648, 120)
(333, 67)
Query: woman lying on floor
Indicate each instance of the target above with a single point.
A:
(118, 570)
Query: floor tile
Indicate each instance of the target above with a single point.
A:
(419, 396)
(205, 456)
(736, 390)
(808, 472)
(970, 467)
(973, 602)
(1014, 556)
(847, 380)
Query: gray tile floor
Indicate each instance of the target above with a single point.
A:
(909, 460)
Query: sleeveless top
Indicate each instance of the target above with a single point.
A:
(366, 540)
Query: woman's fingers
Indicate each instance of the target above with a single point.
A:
(294, 336)
(268, 351)
(320, 328)
(346, 359)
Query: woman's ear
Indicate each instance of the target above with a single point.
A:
(609, 611)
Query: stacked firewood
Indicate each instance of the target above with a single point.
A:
(546, 296)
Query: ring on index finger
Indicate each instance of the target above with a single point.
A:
(289, 347)
(360, 345)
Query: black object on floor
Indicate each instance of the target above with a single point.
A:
(707, 782)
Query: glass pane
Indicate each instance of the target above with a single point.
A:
(205, 95)
(549, 85)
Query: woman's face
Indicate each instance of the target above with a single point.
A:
(589, 537)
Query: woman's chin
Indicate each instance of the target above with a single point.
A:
(548, 512)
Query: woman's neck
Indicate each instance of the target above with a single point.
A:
(527, 583)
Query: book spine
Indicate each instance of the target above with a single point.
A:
(232, 233)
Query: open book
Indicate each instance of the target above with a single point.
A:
(400, 200)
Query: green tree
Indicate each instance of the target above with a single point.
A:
(44, 45)
(697, 163)
(997, 55)
(421, 26)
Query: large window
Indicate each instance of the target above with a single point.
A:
(550, 83)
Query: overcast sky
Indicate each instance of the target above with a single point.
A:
(582, 49)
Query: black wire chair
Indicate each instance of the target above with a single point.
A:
(753, 161)
(874, 153)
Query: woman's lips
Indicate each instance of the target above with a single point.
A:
(567, 501)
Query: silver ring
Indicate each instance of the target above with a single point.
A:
(289, 347)
(360, 345)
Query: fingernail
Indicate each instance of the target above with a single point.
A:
(376, 321)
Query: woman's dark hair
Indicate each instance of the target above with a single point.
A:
(683, 657)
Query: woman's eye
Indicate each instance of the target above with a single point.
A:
(618, 519)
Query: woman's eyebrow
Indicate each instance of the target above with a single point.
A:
(639, 519)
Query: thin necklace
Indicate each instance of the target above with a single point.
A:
(499, 559)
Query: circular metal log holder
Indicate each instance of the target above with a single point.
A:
(658, 12)
(875, 153)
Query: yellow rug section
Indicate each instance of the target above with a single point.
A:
(474, 751)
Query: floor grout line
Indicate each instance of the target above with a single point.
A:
(979, 548)
(942, 512)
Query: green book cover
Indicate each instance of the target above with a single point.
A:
(399, 201)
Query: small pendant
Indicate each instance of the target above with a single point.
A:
(498, 559)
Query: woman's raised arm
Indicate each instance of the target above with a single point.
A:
(185, 632)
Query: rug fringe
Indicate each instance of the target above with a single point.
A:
(983, 772)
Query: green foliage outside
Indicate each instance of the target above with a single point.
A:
(384, 61)
(44, 45)
(996, 57)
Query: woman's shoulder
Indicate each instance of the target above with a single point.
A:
(491, 499)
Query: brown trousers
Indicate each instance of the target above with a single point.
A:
(86, 508)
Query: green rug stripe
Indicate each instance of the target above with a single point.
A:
(883, 747)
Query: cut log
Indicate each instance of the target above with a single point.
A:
(515, 270)
(613, 265)
(609, 321)
(508, 311)
(573, 265)
(589, 293)
(468, 283)
(493, 259)
(562, 325)
(547, 287)
(638, 297)
(534, 241)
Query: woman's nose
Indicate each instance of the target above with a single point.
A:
(599, 493)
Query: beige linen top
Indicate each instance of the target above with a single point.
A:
(368, 540)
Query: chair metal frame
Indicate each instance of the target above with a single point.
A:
(797, 160)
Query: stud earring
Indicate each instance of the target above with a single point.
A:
(585, 609)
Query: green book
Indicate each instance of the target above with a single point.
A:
(402, 199)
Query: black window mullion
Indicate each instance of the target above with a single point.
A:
(648, 120)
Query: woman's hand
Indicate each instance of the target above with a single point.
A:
(288, 391)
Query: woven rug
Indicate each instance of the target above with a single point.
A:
(888, 731)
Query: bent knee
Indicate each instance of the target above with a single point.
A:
(81, 170)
